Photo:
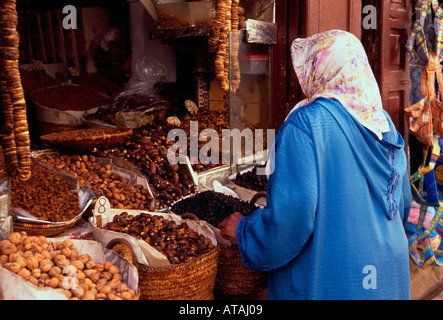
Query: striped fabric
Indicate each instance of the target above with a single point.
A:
(425, 233)
(420, 113)
(415, 94)
(427, 33)
(437, 105)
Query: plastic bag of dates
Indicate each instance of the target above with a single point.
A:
(40, 268)
(158, 239)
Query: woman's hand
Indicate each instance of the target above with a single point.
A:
(227, 227)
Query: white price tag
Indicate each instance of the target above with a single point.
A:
(101, 211)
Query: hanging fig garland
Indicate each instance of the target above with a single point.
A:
(15, 134)
(226, 64)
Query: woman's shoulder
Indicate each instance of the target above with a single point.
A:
(314, 112)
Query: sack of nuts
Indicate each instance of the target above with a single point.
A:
(35, 268)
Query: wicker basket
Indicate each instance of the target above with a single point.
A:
(47, 230)
(46, 127)
(48, 120)
(193, 280)
(87, 139)
(233, 277)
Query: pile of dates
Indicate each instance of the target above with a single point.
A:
(213, 207)
(207, 119)
(251, 180)
(147, 149)
(179, 243)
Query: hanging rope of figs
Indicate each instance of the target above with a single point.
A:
(226, 64)
(14, 135)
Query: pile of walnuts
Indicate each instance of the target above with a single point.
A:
(60, 266)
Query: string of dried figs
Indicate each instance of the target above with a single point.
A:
(217, 23)
(228, 39)
(45, 195)
(220, 58)
(147, 149)
(100, 178)
(235, 47)
(179, 243)
(47, 264)
(227, 19)
(15, 134)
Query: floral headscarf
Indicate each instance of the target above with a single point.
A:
(334, 64)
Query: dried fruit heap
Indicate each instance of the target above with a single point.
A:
(101, 179)
(148, 149)
(15, 133)
(179, 243)
(213, 207)
(207, 119)
(251, 180)
(45, 195)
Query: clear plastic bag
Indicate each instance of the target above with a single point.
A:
(262, 10)
(148, 71)
(140, 95)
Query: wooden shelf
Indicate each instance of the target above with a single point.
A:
(258, 32)
(178, 33)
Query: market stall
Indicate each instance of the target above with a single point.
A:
(92, 117)
(90, 181)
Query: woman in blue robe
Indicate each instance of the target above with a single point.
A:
(339, 195)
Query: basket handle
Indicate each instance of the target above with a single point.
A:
(258, 195)
(189, 215)
(123, 247)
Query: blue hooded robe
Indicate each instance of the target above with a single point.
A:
(337, 204)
